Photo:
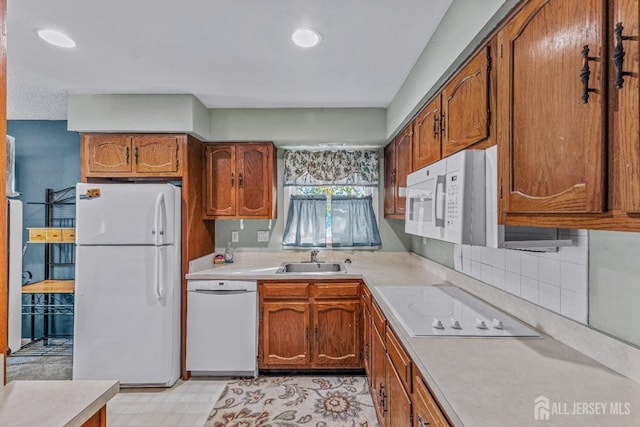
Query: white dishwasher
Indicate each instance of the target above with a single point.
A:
(222, 327)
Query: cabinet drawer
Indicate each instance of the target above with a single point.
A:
(378, 318)
(336, 290)
(284, 290)
(365, 297)
(399, 357)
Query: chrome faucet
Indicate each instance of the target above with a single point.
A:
(314, 255)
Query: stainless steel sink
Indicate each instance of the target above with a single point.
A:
(311, 268)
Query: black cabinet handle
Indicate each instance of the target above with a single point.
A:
(240, 180)
(618, 56)
(435, 124)
(126, 155)
(135, 155)
(232, 179)
(585, 72)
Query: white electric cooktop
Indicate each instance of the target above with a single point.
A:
(446, 310)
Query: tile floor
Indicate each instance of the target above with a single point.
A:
(186, 404)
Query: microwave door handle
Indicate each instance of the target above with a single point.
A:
(439, 207)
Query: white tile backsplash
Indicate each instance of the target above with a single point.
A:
(512, 260)
(487, 274)
(499, 258)
(549, 271)
(513, 283)
(549, 296)
(529, 289)
(556, 281)
(529, 265)
(476, 253)
(573, 277)
(499, 278)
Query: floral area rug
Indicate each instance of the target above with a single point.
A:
(288, 401)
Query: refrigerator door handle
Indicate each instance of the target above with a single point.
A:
(158, 274)
(157, 232)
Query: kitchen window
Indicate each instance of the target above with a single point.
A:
(331, 199)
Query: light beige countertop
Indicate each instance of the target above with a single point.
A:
(53, 403)
(478, 381)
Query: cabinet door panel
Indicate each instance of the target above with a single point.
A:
(366, 342)
(398, 401)
(336, 334)
(254, 195)
(378, 388)
(466, 106)
(552, 142)
(156, 154)
(221, 180)
(389, 172)
(404, 152)
(426, 135)
(625, 109)
(425, 409)
(108, 153)
(285, 334)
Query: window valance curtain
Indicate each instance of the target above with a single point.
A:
(342, 167)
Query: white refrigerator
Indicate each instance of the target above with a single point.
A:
(127, 284)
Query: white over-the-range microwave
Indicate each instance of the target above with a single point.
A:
(455, 200)
(446, 200)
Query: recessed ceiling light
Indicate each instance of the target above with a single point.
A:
(56, 38)
(305, 37)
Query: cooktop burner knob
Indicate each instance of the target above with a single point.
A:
(480, 324)
(437, 324)
(455, 324)
(497, 324)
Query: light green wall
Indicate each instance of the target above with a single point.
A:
(391, 231)
(464, 26)
(291, 126)
(138, 113)
(436, 250)
(614, 284)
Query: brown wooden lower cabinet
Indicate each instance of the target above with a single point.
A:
(400, 397)
(99, 419)
(398, 400)
(366, 332)
(425, 410)
(285, 334)
(310, 325)
(336, 340)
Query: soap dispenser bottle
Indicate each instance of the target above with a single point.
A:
(228, 255)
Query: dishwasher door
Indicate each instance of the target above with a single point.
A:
(222, 328)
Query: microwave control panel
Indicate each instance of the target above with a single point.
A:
(452, 200)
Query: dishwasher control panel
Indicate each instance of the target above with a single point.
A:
(222, 285)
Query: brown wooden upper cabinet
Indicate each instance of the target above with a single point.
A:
(126, 155)
(624, 108)
(397, 165)
(240, 180)
(552, 99)
(427, 135)
(466, 111)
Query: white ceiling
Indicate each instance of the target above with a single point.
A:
(228, 53)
